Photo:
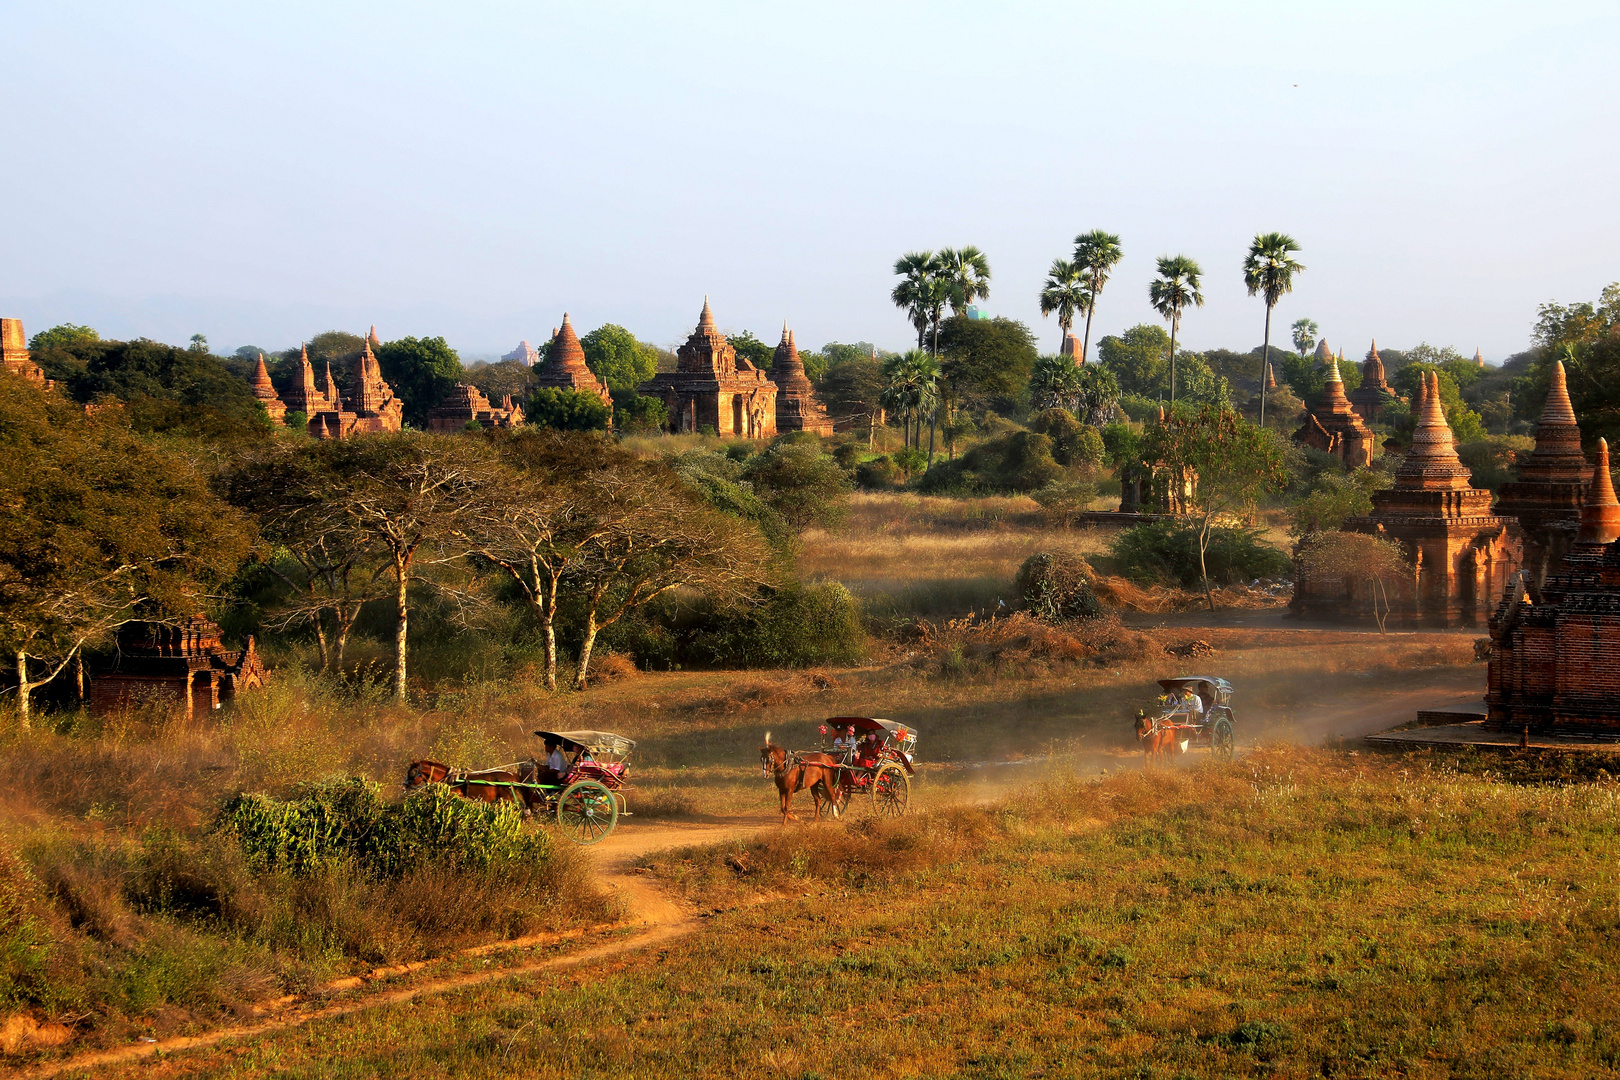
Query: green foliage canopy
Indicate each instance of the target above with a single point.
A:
(614, 354)
(422, 372)
(985, 360)
(567, 410)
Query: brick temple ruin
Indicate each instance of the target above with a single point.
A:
(1370, 398)
(1461, 554)
(265, 391)
(1152, 487)
(467, 404)
(369, 408)
(565, 367)
(1551, 486)
(183, 666)
(712, 387)
(1334, 427)
(796, 406)
(14, 355)
(1555, 648)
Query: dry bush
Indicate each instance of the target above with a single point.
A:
(754, 692)
(662, 802)
(1118, 592)
(615, 666)
(1020, 644)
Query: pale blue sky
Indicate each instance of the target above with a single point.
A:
(263, 172)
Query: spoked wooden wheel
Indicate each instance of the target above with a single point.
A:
(891, 791)
(587, 812)
(1221, 740)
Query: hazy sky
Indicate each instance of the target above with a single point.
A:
(263, 172)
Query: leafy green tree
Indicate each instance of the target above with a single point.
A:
(966, 273)
(495, 381)
(101, 526)
(1304, 334)
(251, 353)
(1074, 445)
(1054, 383)
(985, 360)
(912, 391)
(853, 389)
(914, 292)
(1137, 358)
(1465, 423)
(624, 363)
(1575, 324)
(798, 481)
(422, 372)
(63, 336)
(199, 344)
(1268, 273)
(637, 415)
(1065, 294)
(752, 349)
(1200, 385)
(567, 410)
(1585, 337)
(1176, 287)
(1234, 462)
(1096, 253)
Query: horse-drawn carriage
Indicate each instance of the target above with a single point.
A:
(585, 799)
(860, 756)
(1195, 710)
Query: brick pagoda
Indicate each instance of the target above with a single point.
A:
(1555, 650)
(305, 395)
(711, 387)
(796, 406)
(1552, 483)
(465, 404)
(565, 367)
(182, 665)
(1073, 348)
(14, 357)
(265, 391)
(1461, 554)
(369, 409)
(1368, 398)
(1334, 427)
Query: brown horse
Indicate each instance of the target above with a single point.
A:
(489, 785)
(1156, 737)
(818, 772)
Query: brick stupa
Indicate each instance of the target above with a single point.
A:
(1460, 553)
(1334, 427)
(796, 406)
(370, 407)
(466, 404)
(711, 387)
(565, 367)
(265, 391)
(1370, 397)
(1552, 483)
(1555, 650)
(305, 395)
(14, 356)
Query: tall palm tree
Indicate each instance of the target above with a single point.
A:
(1096, 253)
(968, 272)
(910, 391)
(1269, 272)
(1175, 288)
(1054, 383)
(925, 375)
(936, 293)
(911, 294)
(1065, 293)
(1305, 331)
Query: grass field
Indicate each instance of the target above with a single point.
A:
(1297, 913)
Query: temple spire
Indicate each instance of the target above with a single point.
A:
(1600, 517)
(1432, 462)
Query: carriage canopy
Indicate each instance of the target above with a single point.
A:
(604, 746)
(901, 733)
(1201, 684)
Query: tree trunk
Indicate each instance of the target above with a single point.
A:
(931, 418)
(23, 690)
(1085, 346)
(1203, 570)
(585, 648)
(78, 675)
(401, 626)
(1173, 323)
(548, 622)
(1265, 366)
(320, 643)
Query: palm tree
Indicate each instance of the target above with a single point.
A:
(1176, 287)
(914, 291)
(936, 293)
(1096, 253)
(968, 272)
(1055, 383)
(1305, 331)
(1065, 293)
(1269, 272)
(925, 369)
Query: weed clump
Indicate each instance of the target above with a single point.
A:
(1056, 587)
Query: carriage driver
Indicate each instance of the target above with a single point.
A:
(556, 766)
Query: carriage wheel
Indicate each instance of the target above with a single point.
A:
(1220, 740)
(587, 812)
(891, 791)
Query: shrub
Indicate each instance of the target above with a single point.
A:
(796, 626)
(1064, 500)
(794, 478)
(339, 820)
(1073, 444)
(879, 474)
(567, 410)
(1016, 462)
(1056, 587)
(911, 460)
(637, 415)
(24, 939)
(715, 478)
(1167, 552)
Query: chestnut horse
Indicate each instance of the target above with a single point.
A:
(818, 772)
(477, 786)
(1157, 740)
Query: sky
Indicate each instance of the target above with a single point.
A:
(260, 173)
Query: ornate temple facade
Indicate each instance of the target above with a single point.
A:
(1369, 398)
(1555, 649)
(1334, 427)
(712, 387)
(1551, 486)
(265, 391)
(369, 408)
(1461, 554)
(184, 666)
(14, 356)
(467, 404)
(796, 406)
(565, 367)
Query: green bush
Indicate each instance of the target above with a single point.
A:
(341, 820)
(567, 410)
(911, 460)
(879, 474)
(24, 941)
(1494, 458)
(1074, 444)
(1064, 500)
(1015, 462)
(796, 626)
(793, 477)
(1056, 586)
(637, 415)
(1165, 552)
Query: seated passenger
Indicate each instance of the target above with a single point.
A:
(555, 769)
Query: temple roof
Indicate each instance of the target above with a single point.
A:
(1323, 353)
(1432, 462)
(1372, 368)
(787, 369)
(1600, 517)
(707, 350)
(1558, 457)
(566, 353)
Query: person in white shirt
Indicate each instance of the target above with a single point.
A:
(556, 766)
